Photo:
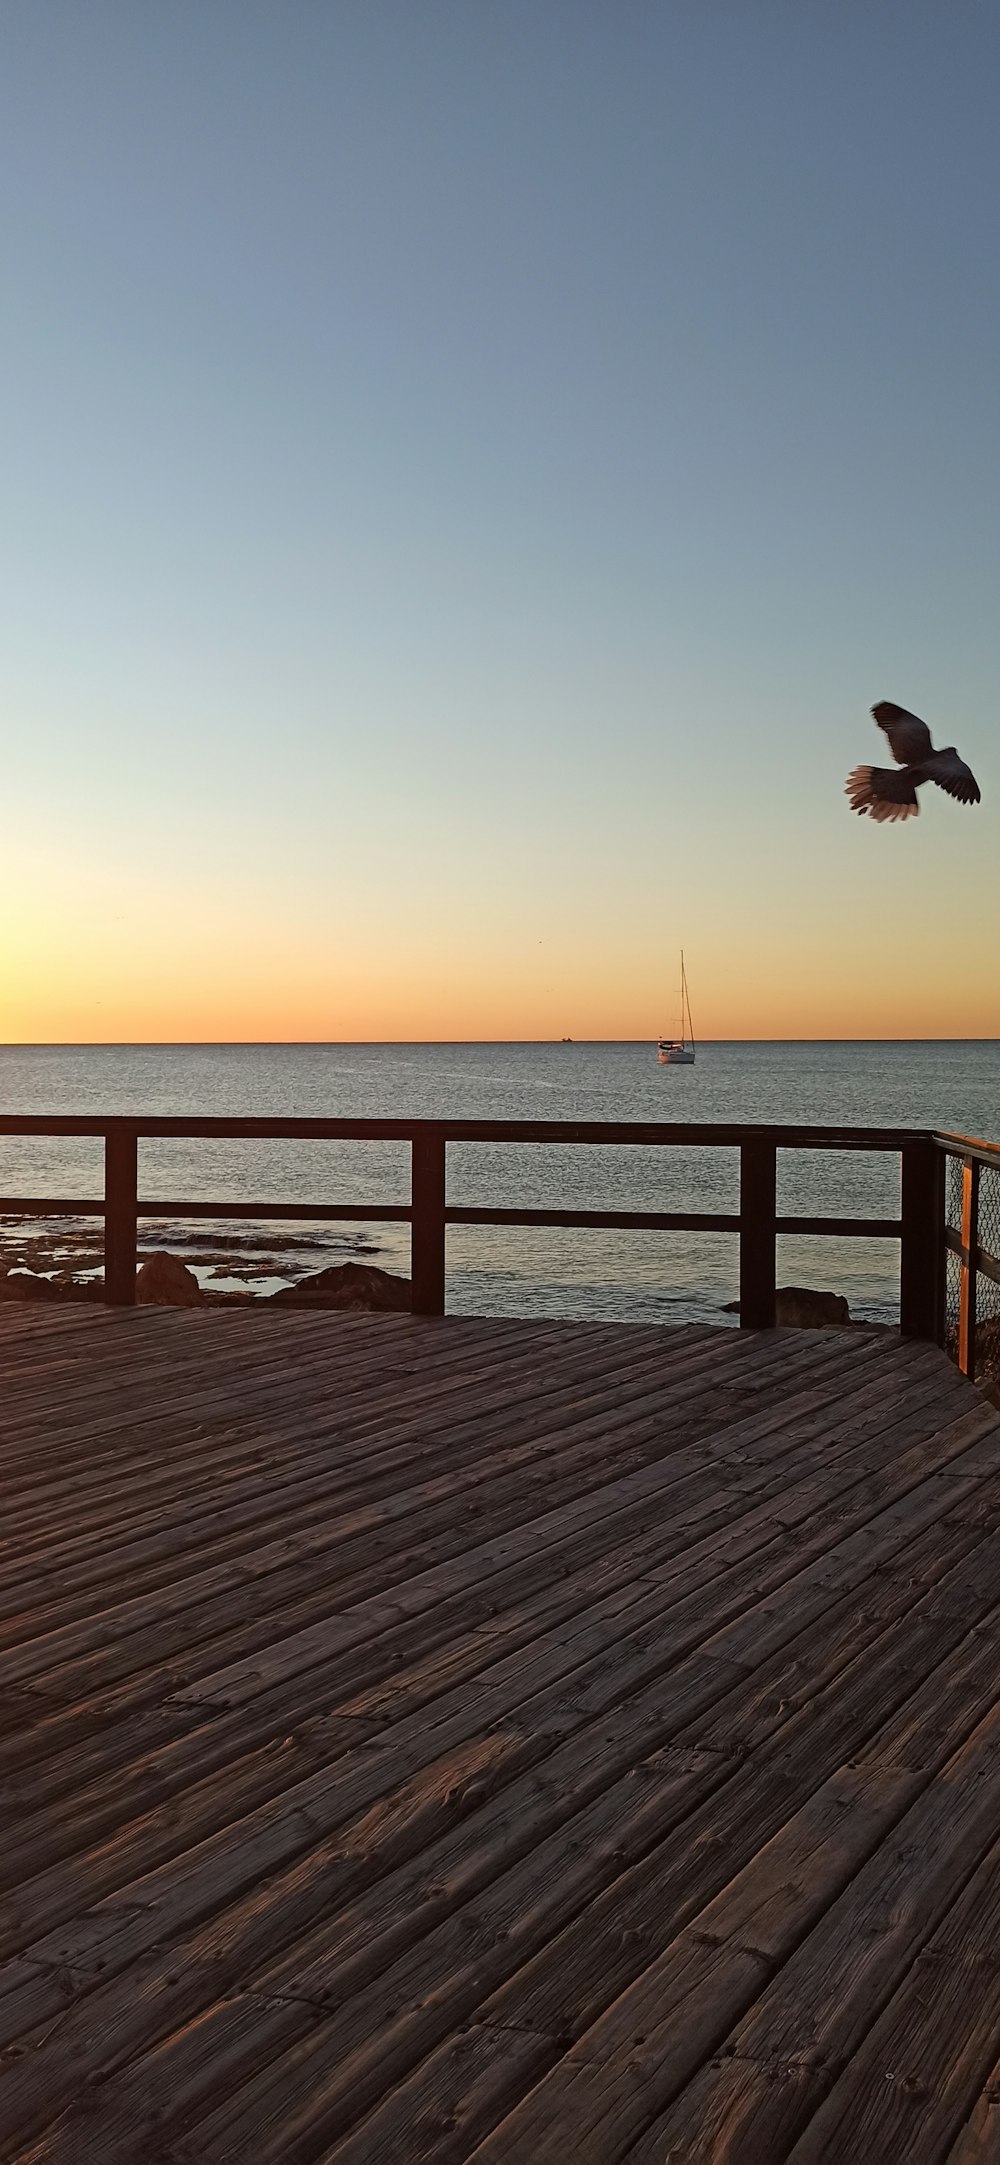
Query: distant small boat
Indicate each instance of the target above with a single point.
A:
(679, 1051)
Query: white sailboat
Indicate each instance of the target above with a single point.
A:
(674, 1051)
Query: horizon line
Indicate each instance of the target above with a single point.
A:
(260, 1044)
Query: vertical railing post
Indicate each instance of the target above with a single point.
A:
(921, 1262)
(969, 1278)
(427, 1233)
(758, 1209)
(121, 1183)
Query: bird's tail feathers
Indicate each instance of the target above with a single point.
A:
(881, 792)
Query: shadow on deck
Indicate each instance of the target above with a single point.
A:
(436, 1739)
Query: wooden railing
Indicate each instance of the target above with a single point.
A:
(976, 1260)
(919, 1227)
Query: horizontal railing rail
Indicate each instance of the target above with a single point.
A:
(969, 1146)
(975, 1259)
(668, 1133)
(757, 1224)
(650, 1221)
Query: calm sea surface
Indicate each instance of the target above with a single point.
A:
(637, 1276)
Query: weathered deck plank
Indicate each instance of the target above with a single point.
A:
(426, 1740)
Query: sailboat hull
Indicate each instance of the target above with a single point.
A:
(675, 1056)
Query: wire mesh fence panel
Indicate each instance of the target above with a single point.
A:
(953, 1281)
(986, 1233)
(988, 1291)
(953, 1268)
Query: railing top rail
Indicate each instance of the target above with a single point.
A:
(721, 1133)
(970, 1146)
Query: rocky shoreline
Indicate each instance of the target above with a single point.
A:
(231, 1263)
(165, 1281)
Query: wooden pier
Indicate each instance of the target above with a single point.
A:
(428, 1740)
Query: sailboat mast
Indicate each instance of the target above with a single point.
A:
(687, 997)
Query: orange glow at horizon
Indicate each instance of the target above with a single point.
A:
(212, 991)
(117, 954)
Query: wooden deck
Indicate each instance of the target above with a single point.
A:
(427, 1740)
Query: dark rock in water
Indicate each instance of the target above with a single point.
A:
(165, 1282)
(988, 1345)
(348, 1285)
(26, 1285)
(988, 1357)
(987, 1354)
(30, 1285)
(799, 1305)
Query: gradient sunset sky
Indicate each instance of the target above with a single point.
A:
(468, 470)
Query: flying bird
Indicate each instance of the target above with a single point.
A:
(890, 794)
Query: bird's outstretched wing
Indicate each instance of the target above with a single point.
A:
(951, 773)
(909, 737)
(882, 792)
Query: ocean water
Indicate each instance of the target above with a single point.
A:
(668, 1277)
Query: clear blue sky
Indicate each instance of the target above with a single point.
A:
(468, 470)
